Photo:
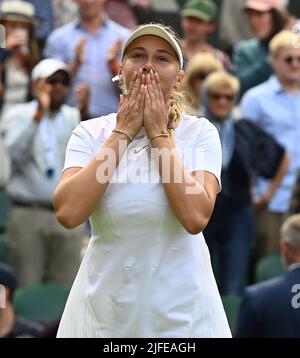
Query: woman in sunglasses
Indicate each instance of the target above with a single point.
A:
(200, 66)
(246, 150)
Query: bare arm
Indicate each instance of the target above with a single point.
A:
(80, 190)
(261, 203)
(192, 196)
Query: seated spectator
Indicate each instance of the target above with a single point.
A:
(198, 20)
(85, 45)
(20, 54)
(246, 149)
(275, 107)
(36, 135)
(250, 57)
(11, 325)
(270, 309)
(295, 202)
(200, 66)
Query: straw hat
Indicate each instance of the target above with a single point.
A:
(17, 10)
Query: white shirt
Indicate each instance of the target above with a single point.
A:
(27, 146)
(144, 275)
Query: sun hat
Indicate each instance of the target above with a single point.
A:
(17, 10)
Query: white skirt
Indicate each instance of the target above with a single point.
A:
(79, 321)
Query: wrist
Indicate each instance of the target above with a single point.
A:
(157, 133)
(38, 116)
(123, 133)
(160, 137)
(267, 198)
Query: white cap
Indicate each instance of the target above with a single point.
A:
(47, 68)
(154, 30)
(15, 10)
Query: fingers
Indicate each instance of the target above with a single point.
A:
(122, 98)
(132, 82)
(43, 86)
(47, 88)
(136, 86)
(158, 87)
(147, 99)
(151, 89)
(141, 99)
(81, 43)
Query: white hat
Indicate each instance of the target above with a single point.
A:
(16, 10)
(47, 68)
(154, 30)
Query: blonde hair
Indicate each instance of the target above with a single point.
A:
(177, 98)
(285, 38)
(221, 79)
(201, 63)
(290, 231)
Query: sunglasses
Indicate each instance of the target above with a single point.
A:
(218, 97)
(201, 76)
(291, 59)
(65, 81)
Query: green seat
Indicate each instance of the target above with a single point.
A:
(4, 251)
(268, 267)
(5, 205)
(42, 303)
(231, 305)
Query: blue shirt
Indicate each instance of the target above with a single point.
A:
(94, 71)
(44, 12)
(278, 113)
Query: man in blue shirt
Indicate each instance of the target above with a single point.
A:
(85, 45)
(275, 107)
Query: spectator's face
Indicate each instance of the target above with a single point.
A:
(196, 83)
(90, 9)
(261, 23)
(11, 26)
(60, 82)
(220, 102)
(151, 52)
(195, 29)
(286, 64)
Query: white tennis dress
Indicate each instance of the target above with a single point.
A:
(143, 274)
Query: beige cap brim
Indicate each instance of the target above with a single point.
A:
(154, 30)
